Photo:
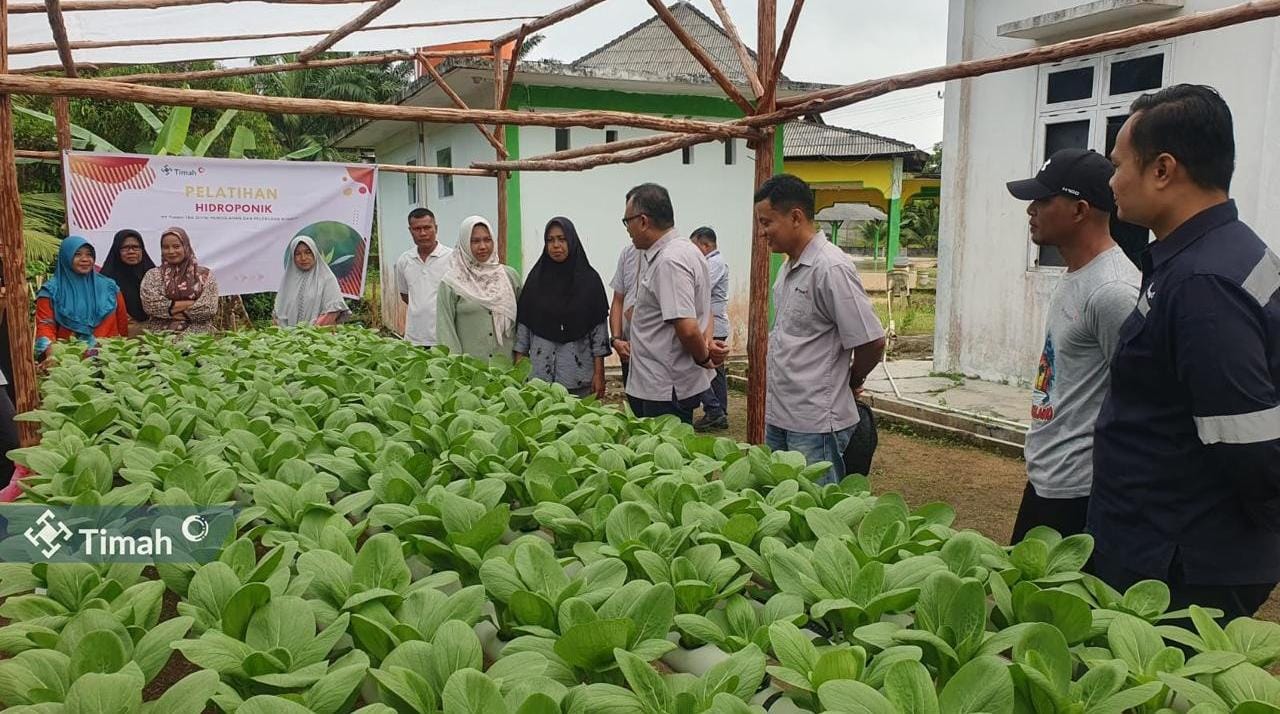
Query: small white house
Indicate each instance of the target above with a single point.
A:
(993, 283)
(646, 70)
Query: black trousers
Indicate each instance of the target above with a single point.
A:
(682, 408)
(1064, 515)
(1234, 600)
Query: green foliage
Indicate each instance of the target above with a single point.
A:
(426, 533)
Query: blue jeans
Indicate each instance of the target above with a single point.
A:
(815, 447)
(715, 401)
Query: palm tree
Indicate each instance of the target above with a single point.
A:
(308, 136)
(920, 224)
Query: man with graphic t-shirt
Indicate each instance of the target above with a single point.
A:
(1071, 206)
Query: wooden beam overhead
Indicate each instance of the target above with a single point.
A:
(87, 5)
(548, 20)
(35, 47)
(203, 74)
(434, 170)
(207, 99)
(708, 63)
(771, 89)
(59, 29)
(511, 68)
(354, 25)
(667, 145)
(744, 56)
(459, 103)
(37, 155)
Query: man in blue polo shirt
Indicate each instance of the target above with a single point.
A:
(1187, 451)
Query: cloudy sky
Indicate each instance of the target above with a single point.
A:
(836, 42)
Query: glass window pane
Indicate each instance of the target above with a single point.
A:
(1066, 135)
(1070, 85)
(1140, 74)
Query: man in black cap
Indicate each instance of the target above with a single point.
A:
(1071, 205)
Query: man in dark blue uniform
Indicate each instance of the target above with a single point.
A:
(1187, 450)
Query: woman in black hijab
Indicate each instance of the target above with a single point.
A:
(562, 318)
(126, 264)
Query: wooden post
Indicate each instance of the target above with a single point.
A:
(771, 89)
(758, 323)
(61, 105)
(500, 131)
(12, 252)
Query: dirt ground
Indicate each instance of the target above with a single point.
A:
(983, 488)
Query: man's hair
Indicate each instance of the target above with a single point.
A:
(705, 234)
(417, 213)
(785, 192)
(1192, 123)
(652, 200)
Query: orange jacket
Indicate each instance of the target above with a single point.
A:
(114, 325)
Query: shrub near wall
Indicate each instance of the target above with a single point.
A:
(424, 533)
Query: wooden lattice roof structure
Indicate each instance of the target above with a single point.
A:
(754, 92)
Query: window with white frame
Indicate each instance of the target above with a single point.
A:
(1082, 103)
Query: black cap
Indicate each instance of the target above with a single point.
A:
(1081, 173)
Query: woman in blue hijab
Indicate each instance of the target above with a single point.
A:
(78, 302)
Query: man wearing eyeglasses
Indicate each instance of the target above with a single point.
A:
(673, 357)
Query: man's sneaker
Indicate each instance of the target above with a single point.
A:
(709, 423)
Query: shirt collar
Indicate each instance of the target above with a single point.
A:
(663, 242)
(1191, 231)
(440, 251)
(713, 254)
(810, 253)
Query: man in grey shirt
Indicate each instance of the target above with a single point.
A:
(715, 401)
(624, 280)
(823, 318)
(1071, 206)
(672, 354)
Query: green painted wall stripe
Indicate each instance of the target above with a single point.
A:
(515, 219)
(523, 95)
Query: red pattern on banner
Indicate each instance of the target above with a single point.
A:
(96, 182)
(351, 282)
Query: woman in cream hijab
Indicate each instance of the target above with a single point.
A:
(309, 293)
(476, 305)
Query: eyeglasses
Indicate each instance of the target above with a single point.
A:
(626, 220)
(130, 248)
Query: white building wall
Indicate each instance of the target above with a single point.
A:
(394, 202)
(706, 192)
(991, 305)
(472, 195)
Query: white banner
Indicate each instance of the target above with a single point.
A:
(240, 213)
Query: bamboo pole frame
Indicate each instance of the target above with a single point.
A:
(708, 63)
(744, 57)
(342, 32)
(499, 97)
(35, 47)
(38, 155)
(548, 20)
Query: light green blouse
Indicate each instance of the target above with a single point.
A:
(466, 327)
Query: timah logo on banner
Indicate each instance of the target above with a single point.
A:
(104, 534)
(168, 170)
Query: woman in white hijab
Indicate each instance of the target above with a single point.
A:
(476, 305)
(309, 293)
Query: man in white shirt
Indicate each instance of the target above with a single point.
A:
(418, 272)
